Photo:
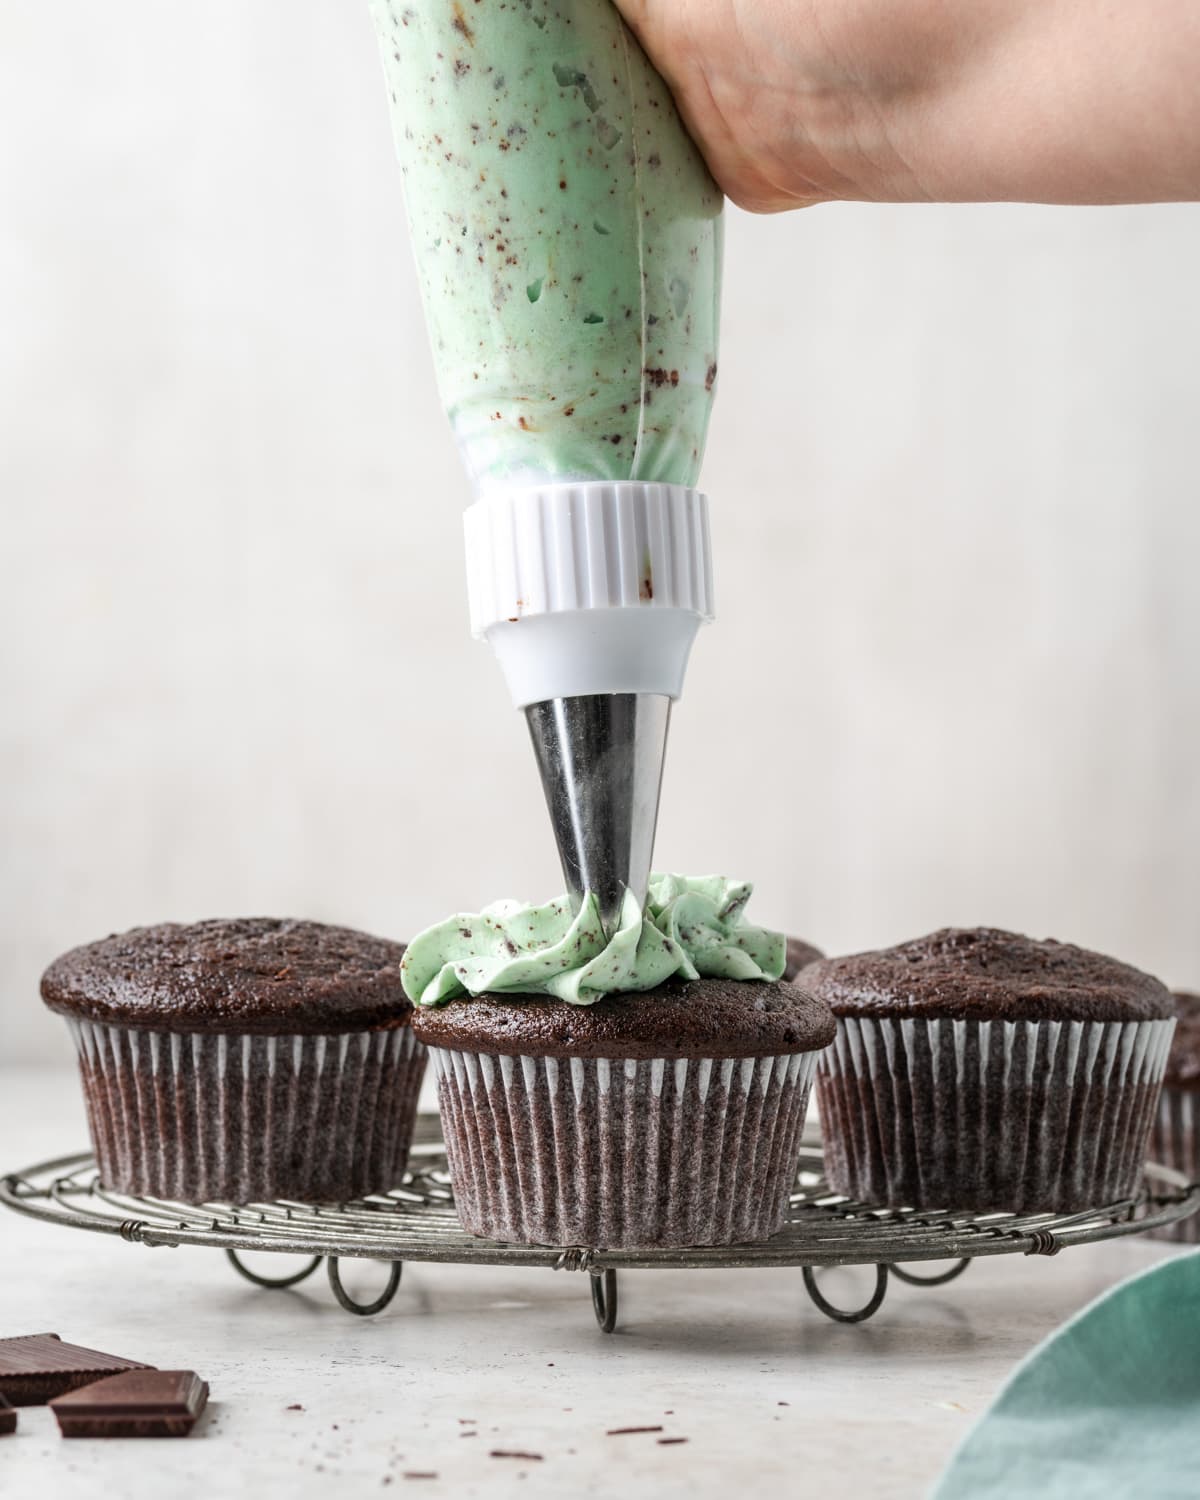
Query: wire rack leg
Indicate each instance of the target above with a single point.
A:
(363, 1309)
(836, 1313)
(274, 1283)
(940, 1279)
(604, 1299)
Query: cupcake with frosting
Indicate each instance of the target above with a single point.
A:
(644, 1089)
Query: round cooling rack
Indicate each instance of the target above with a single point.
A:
(417, 1222)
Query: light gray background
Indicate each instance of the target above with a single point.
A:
(955, 481)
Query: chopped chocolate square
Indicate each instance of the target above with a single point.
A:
(39, 1366)
(139, 1403)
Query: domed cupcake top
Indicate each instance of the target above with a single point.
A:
(982, 974)
(260, 975)
(682, 1018)
(1183, 1064)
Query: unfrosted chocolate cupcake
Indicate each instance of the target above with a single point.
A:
(979, 1069)
(799, 955)
(1175, 1139)
(666, 1117)
(243, 1060)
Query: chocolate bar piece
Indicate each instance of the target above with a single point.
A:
(39, 1366)
(8, 1417)
(140, 1403)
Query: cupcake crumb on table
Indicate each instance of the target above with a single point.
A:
(243, 1059)
(979, 1069)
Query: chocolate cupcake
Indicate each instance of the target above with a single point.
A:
(669, 1117)
(1175, 1138)
(627, 1089)
(243, 1060)
(799, 955)
(982, 1070)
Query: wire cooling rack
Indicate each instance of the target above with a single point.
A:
(417, 1222)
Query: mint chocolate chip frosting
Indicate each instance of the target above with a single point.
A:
(691, 926)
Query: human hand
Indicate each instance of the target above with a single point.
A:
(795, 102)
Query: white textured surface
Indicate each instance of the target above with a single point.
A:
(955, 483)
(769, 1395)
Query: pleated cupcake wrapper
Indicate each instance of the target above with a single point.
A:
(241, 1118)
(622, 1154)
(1020, 1115)
(1175, 1141)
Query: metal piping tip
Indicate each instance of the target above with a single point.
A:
(600, 757)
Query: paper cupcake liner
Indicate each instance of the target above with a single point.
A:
(1027, 1116)
(622, 1154)
(1175, 1141)
(241, 1118)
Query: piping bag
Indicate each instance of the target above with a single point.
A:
(568, 242)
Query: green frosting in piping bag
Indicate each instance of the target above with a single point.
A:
(692, 926)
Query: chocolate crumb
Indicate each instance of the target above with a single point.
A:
(459, 23)
(667, 1442)
(419, 1474)
(514, 1453)
(621, 1431)
(295, 1406)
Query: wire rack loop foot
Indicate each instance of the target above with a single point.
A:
(940, 1279)
(273, 1283)
(604, 1299)
(364, 1309)
(838, 1314)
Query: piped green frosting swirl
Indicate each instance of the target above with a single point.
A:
(692, 926)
